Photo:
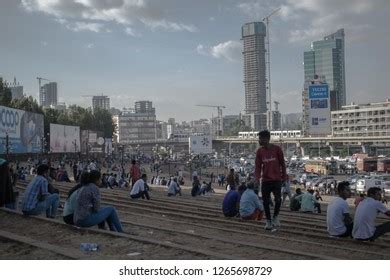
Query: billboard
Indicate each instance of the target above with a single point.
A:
(91, 142)
(200, 145)
(25, 131)
(64, 138)
(319, 110)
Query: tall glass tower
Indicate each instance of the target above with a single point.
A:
(253, 35)
(326, 59)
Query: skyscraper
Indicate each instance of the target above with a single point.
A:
(253, 35)
(48, 95)
(326, 59)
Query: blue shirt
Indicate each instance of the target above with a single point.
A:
(230, 202)
(37, 186)
(249, 203)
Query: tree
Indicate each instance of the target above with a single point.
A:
(103, 122)
(27, 104)
(5, 94)
(50, 116)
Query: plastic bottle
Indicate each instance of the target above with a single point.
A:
(89, 247)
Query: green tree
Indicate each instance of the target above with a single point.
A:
(27, 103)
(103, 122)
(50, 116)
(5, 94)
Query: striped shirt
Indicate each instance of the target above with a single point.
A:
(38, 186)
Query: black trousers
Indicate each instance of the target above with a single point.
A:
(267, 188)
(141, 194)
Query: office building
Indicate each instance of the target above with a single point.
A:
(144, 107)
(137, 124)
(362, 120)
(48, 95)
(101, 102)
(326, 59)
(253, 36)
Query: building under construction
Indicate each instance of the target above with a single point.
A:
(253, 36)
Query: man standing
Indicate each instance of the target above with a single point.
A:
(364, 223)
(338, 220)
(271, 169)
(37, 198)
(135, 172)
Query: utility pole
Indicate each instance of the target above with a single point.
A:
(7, 146)
(266, 19)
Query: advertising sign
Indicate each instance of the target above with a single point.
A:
(200, 145)
(64, 138)
(319, 110)
(25, 131)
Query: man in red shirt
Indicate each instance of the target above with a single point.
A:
(135, 172)
(271, 169)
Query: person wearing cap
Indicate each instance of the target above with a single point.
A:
(7, 195)
(339, 222)
(37, 198)
(174, 188)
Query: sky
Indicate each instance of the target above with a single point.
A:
(180, 53)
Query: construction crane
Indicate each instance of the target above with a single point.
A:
(219, 129)
(266, 20)
(39, 88)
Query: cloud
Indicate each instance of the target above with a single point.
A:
(90, 46)
(85, 26)
(44, 43)
(309, 20)
(130, 31)
(94, 14)
(230, 50)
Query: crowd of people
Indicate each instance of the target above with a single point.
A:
(249, 199)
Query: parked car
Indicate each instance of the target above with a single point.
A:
(362, 185)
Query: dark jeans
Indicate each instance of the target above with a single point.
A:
(381, 230)
(267, 188)
(141, 194)
(231, 214)
(107, 214)
(348, 232)
(69, 220)
(318, 206)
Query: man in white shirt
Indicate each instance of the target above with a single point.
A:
(338, 220)
(174, 188)
(140, 188)
(364, 223)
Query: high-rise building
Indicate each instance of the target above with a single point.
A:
(48, 95)
(101, 101)
(253, 36)
(144, 107)
(327, 60)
